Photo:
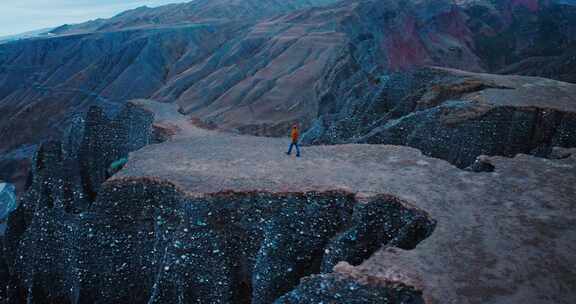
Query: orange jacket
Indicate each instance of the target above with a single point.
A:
(295, 135)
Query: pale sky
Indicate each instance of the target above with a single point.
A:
(18, 16)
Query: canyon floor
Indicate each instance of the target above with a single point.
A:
(502, 237)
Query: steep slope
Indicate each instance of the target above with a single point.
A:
(257, 71)
(45, 81)
(511, 32)
(115, 62)
(197, 65)
(279, 72)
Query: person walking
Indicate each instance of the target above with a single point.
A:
(295, 136)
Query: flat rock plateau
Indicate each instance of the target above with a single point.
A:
(501, 237)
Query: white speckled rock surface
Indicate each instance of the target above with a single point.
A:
(502, 237)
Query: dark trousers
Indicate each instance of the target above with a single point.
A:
(292, 145)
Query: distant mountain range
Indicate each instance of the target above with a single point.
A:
(27, 35)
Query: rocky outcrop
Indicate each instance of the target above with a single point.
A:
(38, 231)
(102, 142)
(234, 220)
(223, 247)
(516, 217)
(166, 245)
(43, 235)
(458, 116)
(75, 237)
